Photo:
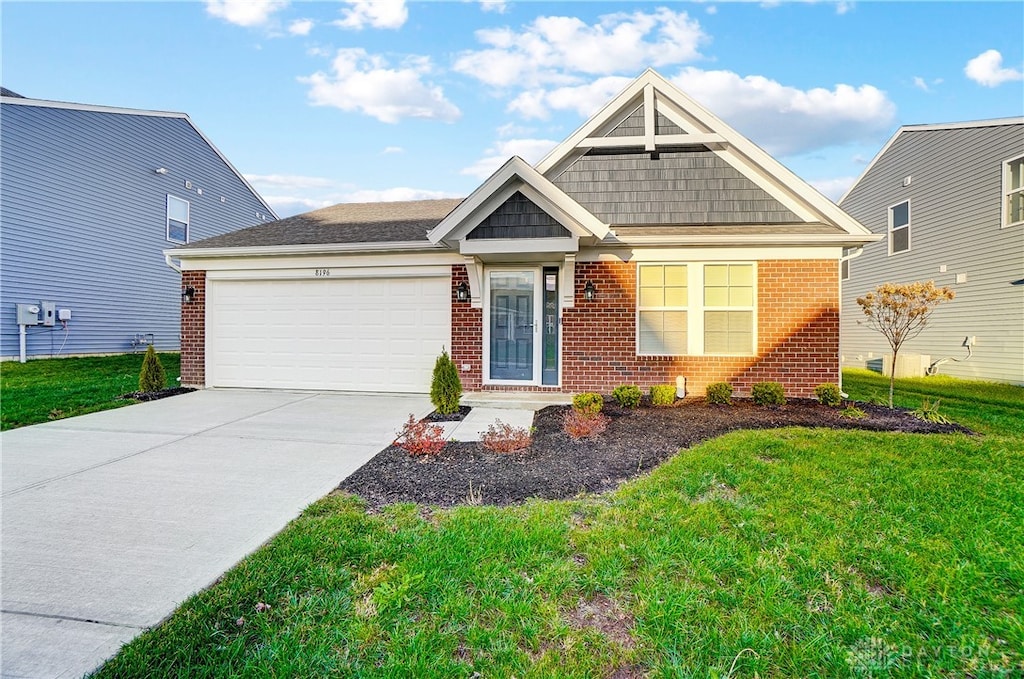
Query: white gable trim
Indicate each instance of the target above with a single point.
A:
(694, 119)
(516, 175)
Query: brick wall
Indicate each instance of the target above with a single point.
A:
(798, 334)
(193, 331)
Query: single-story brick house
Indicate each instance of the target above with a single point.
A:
(654, 243)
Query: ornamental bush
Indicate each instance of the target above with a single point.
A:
(578, 426)
(719, 393)
(420, 438)
(152, 376)
(627, 395)
(768, 394)
(663, 394)
(445, 385)
(588, 404)
(828, 394)
(504, 438)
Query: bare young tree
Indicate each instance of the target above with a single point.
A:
(900, 312)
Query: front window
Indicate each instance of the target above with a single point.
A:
(716, 318)
(1013, 192)
(899, 227)
(177, 219)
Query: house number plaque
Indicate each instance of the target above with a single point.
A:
(321, 273)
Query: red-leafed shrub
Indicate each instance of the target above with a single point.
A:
(579, 426)
(504, 438)
(420, 438)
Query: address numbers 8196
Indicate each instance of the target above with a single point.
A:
(321, 273)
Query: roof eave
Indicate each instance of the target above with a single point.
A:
(733, 240)
(302, 249)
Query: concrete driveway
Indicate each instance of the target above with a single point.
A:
(111, 520)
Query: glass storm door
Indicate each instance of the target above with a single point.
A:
(512, 325)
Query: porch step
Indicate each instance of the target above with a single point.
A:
(514, 400)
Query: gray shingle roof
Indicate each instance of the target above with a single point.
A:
(406, 221)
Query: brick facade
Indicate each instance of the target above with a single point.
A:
(193, 331)
(797, 334)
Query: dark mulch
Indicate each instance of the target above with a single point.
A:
(557, 467)
(154, 395)
(451, 417)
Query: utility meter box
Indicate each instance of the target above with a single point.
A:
(28, 314)
(49, 312)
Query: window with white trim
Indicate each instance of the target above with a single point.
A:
(729, 309)
(844, 269)
(899, 227)
(717, 318)
(1013, 192)
(177, 219)
(662, 307)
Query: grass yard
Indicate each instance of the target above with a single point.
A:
(55, 388)
(787, 553)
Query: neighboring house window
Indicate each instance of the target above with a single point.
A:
(177, 219)
(662, 310)
(729, 309)
(844, 269)
(717, 319)
(1013, 191)
(899, 227)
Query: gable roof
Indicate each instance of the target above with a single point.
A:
(383, 224)
(18, 100)
(929, 127)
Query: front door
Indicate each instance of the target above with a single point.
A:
(513, 324)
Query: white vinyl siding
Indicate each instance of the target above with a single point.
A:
(899, 227)
(177, 219)
(718, 318)
(1013, 192)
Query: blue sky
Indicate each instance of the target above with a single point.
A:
(319, 103)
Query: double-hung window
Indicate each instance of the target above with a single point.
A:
(899, 227)
(1013, 192)
(177, 219)
(695, 309)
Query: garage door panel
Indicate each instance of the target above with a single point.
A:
(345, 334)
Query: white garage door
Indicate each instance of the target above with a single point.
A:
(368, 334)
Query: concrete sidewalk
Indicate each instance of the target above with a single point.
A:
(111, 520)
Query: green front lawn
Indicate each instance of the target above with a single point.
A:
(787, 553)
(54, 388)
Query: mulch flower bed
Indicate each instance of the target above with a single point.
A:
(557, 467)
(154, 395)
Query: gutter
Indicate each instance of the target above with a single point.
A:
(845, 240)
(302, 249)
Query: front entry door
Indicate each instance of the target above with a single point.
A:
(513, 324)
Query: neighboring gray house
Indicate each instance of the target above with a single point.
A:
(950, 201)
(90, 196)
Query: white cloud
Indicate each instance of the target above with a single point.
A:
(300, 27)
(584, 99)
(842, 7)
(374, 13)
(986, 69)
(920, 84)
(244, 12)
(786, 120)
(711, 9)
(499, 6)
(392, 149)
(289, 181)
(394, 194)
(834, 188)
(563, 50)
(362, 82)
(530, 150)
(294, 194)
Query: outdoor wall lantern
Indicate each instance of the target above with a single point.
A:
(589, 291)
(188, 293)
(462, 292)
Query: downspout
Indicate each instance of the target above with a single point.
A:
(854, 254)
(167, 260)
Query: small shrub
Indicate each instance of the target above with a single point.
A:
(588, 404)
(152, 376)
(768, 394)
(663, 394)
(853, 412)
(929, 412)
(627, 395)
(504, 438)
(719, 393)
(828, 394)
(420, 438)
(579, 426)
(445, 385)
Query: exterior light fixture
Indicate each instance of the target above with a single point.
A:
(589, 291)
(160, 170)
(462, 292)
(188, 293)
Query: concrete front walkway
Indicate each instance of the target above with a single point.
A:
(111, 520)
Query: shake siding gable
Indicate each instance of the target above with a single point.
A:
(956, 194)
(84, 222)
